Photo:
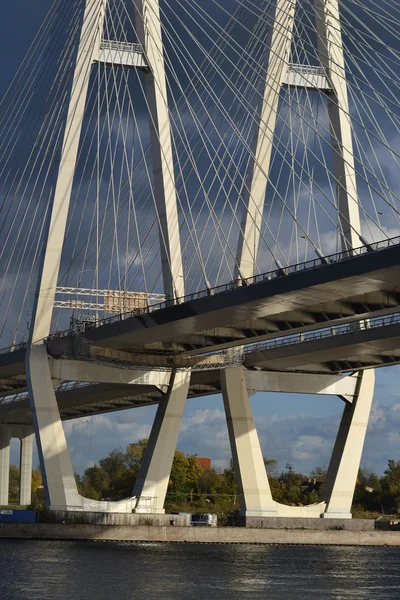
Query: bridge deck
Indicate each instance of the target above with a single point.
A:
(365, 286)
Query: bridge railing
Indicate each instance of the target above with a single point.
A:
(232, 285)
(326, 332)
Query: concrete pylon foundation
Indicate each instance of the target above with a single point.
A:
(343, 468)
(60, 487)
(152, 481)
(255, 494)
(5, 437)
(256, 499)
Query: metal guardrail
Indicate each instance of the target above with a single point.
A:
(300, 338)
(307, 69)
(232, 285)
(285, 271)
(335, 330)
(121, 46)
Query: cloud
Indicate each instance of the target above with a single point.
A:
(300, 434)
(303, 438)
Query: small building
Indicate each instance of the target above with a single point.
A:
(205, 463)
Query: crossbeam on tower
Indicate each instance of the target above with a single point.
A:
(126, 54)
(110, 301)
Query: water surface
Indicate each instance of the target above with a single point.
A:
(41, 570)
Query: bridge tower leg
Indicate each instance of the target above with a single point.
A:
(330, 53)
(255, 494)
(5, 438)
(152, 482)
(59, 481)
(61, 489)
(148, 29)
(25, 468)
(55, 462)
(343, 468)
(346, 457)
(339, 488)
(262, 142)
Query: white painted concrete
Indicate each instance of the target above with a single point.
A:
(305, 76)
(58, 475)
(343, 468)
(25, 470)
(262, 142)
(313, 511)
(330, 53)
(152, 482)
(54, 236)
(148, 29)
(305, 383)
(59, 481)
(251, 476)
(76, 370)
(333, 80)
(5, 438)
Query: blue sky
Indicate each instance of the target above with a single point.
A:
(295, 429)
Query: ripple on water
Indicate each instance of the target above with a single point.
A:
(42, 570)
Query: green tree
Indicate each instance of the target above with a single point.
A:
(271, 467)
(391, 487)
(94, 483)
(177, 484)
(118, 475)
(134, 455)
(194, 472)
(14, 484)
(37, 485)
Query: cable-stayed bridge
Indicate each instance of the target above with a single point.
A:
(196, 200)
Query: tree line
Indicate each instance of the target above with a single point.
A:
(192, 488)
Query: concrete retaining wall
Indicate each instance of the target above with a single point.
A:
(225, 535)
(296, 523)
(128, 519)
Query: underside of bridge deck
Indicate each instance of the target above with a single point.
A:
(359, 286)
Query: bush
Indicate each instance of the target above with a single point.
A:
(146, 521)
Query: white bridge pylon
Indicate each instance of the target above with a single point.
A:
(330, 77)
(56, 466)
(151, 487)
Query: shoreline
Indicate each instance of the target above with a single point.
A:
(210, 535)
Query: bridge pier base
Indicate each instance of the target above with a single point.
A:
(343, 468)
(5, 438)
(152, 481)
(255, 494)
(58, 476)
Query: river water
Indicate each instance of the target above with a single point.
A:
(131, 571)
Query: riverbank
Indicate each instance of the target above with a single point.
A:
(213, 535)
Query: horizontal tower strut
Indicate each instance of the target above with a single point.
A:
(110, 301)
(126, 54)
(308, 77)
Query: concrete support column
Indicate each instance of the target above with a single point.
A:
(5, 438)
(25, 470)
(255, 494)
(152, 482)
(58, 476)
(343, 468)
